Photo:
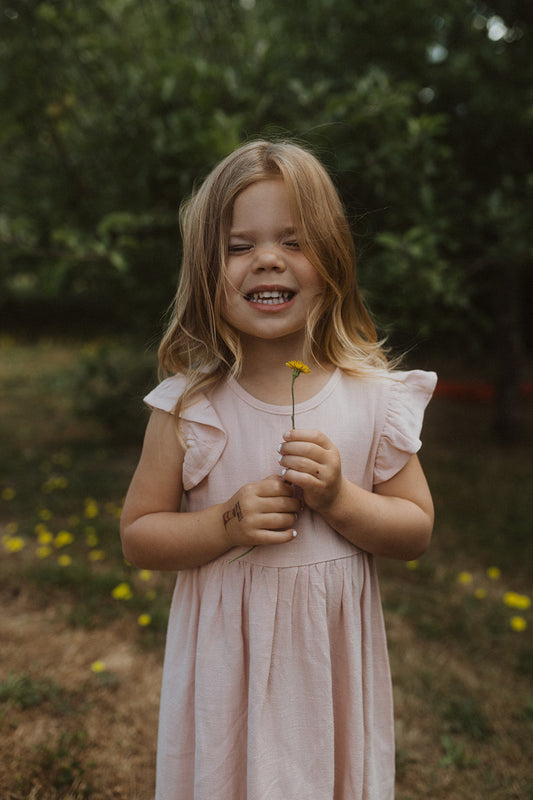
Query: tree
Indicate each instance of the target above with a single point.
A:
(423, 116)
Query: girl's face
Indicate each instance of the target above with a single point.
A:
(270, 285)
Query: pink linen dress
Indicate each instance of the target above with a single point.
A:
(276, 682)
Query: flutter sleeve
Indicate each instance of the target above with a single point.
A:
(205, 438)
(409, 394)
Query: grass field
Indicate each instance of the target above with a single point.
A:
(82, 633)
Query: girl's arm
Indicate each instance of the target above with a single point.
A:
(395, 520)
(157, 535)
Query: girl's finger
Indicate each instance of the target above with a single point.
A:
(307, 435)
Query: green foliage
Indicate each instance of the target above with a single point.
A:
(455, 754)
(108, 384)
(27, 692)
(423, 116)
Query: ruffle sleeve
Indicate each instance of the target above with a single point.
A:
(204, 436)
(409, 394)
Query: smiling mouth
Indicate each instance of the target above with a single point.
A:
(273, 297)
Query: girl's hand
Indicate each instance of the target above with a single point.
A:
(261, 513)
(312, 462)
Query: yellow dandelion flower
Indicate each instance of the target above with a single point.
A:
(494, 573)
(515, 600)
(45, 537)
(64, 560)
(97, 555)
(145, 574)
(150, 594)
(465, 578)
(13, 544)
(298, 366)
(12, 527)
(91, 508)
(43, 552)
(480, 594)
(45, 514)
(97, 666)
(8, 493)
(122, 592)
(518, 624)
(412, 564)
(63, 539)
(73, 520)
(144, 620)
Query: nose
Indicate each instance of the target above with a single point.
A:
(267, 259)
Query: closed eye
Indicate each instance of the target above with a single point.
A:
(238, 248)
(292, 244)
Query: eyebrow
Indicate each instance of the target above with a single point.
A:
(291, 231)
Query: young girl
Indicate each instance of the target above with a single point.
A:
(276, 681)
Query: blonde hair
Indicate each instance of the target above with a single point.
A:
(198, 342)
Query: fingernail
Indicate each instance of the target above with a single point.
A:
(279, 459)
(283, 472)
(294, 533)
(287, 435)
(279, 447)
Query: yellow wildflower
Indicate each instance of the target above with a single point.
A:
(63, 538)
(97, 555)
(122, 592)
(91, 539)
(494, 573)
(144, 620)
(412, 564)
(45, 514)
(54, 483)
(91, 508)
(13, 543)
(480, 594)
(145, 575)
(465, 578)
(43, 552)
(515, 600)
(150, 594)
(12, 527)
(299, 366)
(98, 666)
(64, 560)
(8, 493)
(45, 537)
(518, 624)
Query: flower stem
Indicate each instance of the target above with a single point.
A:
(295, 374)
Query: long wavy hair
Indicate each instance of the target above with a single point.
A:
(198, 342)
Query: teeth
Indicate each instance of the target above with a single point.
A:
(271, 297)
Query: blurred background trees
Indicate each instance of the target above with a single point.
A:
(111, 110)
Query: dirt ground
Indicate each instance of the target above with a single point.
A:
(107, 721)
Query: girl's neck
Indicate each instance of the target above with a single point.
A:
(266, 377)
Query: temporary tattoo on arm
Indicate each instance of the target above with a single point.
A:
(232, 513)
